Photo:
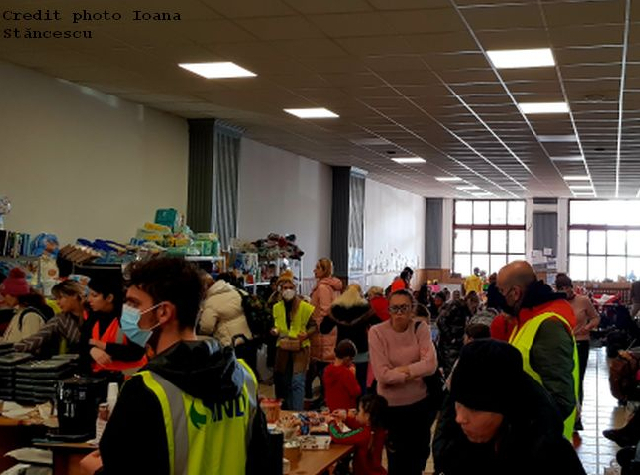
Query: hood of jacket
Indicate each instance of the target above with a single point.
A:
(220, 287)
(540, 298)
(333, 282)
(202, 368)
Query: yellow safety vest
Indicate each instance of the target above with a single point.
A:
(299, 321)
(204, 441)
(522, 339)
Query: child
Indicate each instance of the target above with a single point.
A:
(367, 434)
(341, 388)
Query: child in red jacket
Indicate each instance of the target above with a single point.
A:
(341, 388)
(367, 434)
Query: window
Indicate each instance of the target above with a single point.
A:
(604, 239)
(487, 234)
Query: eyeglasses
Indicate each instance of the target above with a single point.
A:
(395, 309)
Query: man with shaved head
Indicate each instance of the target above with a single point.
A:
(543, 334)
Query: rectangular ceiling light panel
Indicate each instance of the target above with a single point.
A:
(312, 113)
(409, 160)
(568, 158)
(544, 107)
(557, 138)
(220, 70)
(576, 178)
(447, 179)
(521, 58)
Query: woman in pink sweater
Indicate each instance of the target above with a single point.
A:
(402, 354)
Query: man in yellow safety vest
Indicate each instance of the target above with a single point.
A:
(193, 409)
(543, 335)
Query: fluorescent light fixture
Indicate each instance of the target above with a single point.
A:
(371, 141)
(409, 160)
(568, 158)
(543, 107)
(446, 179)
(576, 177)
(482, 193)
(467, 188)
(584, 193)
(580, 187)
(312, 113)
(521, 58)
(221, 70)
(557, 138)
(638, 194)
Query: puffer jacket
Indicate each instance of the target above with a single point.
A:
(222, 315)
(322, 296)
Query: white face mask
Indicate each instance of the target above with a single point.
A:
(288, 294)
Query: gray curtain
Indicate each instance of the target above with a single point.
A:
(545, 231)
(356, 223)
(433, 232)
(225, 183)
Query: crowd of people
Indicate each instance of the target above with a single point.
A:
(507, 357)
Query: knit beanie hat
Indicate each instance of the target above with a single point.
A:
(15, 284)
(488, 377)
(286, 276)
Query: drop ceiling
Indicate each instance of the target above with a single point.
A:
(406, 77)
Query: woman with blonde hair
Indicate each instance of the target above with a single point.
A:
(327, 289)
(352, 315)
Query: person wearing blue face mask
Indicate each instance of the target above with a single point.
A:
(193, 408)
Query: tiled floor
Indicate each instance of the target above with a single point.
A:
(600, 411)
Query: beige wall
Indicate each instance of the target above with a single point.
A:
(78, 163)
(285, 193)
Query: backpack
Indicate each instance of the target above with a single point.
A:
(622, 376)
(258, 316)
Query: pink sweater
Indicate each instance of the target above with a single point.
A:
(389, 350)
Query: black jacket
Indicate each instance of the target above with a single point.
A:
(135, 438)
(530, 441)
(352, 323)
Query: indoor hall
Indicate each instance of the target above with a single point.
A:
(258, 138)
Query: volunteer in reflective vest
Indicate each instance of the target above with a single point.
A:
(543, 335)
(193, 408)
(293, 326)
(103, 345)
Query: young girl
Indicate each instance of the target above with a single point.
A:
(367, 434)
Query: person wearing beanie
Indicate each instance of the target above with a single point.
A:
(293, 327)
(30, 308)
(502, 421)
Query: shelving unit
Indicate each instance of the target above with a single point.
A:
(25, 259)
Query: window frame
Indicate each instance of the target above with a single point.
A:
(606, 255)
(487, 227)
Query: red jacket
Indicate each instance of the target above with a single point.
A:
(341, 389)
(381, 306)
(368, 444)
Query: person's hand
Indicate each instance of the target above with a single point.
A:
(302, 336)
(339, 415)
(274, 331)
(352, 368)
(405, 370)
(91, 463)
(98, 344)
(100, 356)
(352, 413)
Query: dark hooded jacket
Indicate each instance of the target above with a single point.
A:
(135, 438)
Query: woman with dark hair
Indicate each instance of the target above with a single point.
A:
(402, 354)
(103, 345)
(30, 308)
(61, 334)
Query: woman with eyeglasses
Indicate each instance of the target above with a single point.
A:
(402, 354)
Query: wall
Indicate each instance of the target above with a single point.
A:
(284, 193)
(394, 232)
(78, 163)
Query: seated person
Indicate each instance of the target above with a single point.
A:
(30, 308)
(103, 345)
(502, 421)
(61, 334)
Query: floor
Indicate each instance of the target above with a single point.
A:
(600, 411)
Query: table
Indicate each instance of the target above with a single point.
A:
(315, 462)
(67, 456)
(15, 434)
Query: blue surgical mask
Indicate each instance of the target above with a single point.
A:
(129, 323)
